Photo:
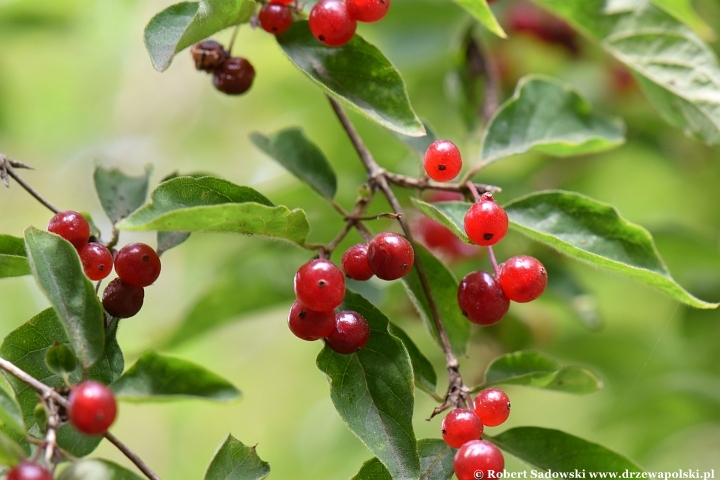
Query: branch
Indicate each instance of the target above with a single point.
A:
(6, 168)
(425, 184)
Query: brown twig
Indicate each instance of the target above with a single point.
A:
(6, 168)
(425, 184)
(52, 425)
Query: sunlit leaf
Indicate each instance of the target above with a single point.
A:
(235, 461)
(95, 469)
(482, 13)
(13, 258)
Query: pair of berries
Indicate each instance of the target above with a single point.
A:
(443, 161)
(462, 429)
(96, 260)
(231, 75)
(388, 256)
(137, 266)
(276, 17)
(333, 22)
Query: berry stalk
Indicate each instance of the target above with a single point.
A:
(6, 168)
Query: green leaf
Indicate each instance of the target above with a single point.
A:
(60, 359)
(449, 214)
(482, 13)
(156, 376)
(436, 463)
(419, 144)
(120, 194)
(356, 73)
(13, 259)
(235, 461)
(211, 204)
(168, 240)
(546, 116)
(27, 347)
(183, 24)
(560, 452)
(423, 370)
(373, 469)
(534, 369)
(301, 157)
(595, 232)
(57, 269)
(679, 73)
(94, 469)
(10, 414)
(683, 11)
(372, 390)
(11, 453)
(443, 286)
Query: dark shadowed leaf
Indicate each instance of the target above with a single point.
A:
(436, 463)
(155, 377)
(235, 461)
(372, 390)
(482, 13)
(120, 194)
(95, 469)
(425, 376)
(168, 240)
(356, 73)
(13, 259)
(60, 359)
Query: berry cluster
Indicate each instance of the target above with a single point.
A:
(462, 429)
(231, 75)
(485, 298)
(437, 237)
(333, 22)
(137, 265)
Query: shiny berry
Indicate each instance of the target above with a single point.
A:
(96, 260)
(460, 426)
(275, 18)
(481, 299)
(331, 24)
(523, 278)
(351, 333)
(309, 324)
(208, 55)
(477, 459)
(367, 10)
(122, 300)
(283, 2)
(355, 262)
(91, 408)
(320, 285)
(486, 222)
(390, 256)
(71, 226)
(28, 471)
(234, 77)
(137, 264)
(492, 406)
(442, 161)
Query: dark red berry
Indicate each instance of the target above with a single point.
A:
(442, 161)
(331, 24)
(460, 426)
(309, 324)
(208, 55)
(367, 10)
(478, 459)
(355, 262)
(390, 256)
(122, 300)
(527, 18)
(481, 299)
(27, 470)
(275, 18)
(137, 264)
(71, 226)
(492, 406)
(234, 77)
(91, 408)
(351, 333)
(523, 278)
(96, 260)
(320, 285)
(486, 222)
(283, 2)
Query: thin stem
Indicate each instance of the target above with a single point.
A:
(474, 191)
(493, 260)
(6, 165)
(132, 456)
(52, 425)
(425, 184)
(232, 39)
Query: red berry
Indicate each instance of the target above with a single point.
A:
(71, 226)
(208, 55)
(460, 426)
(522, 278)
(275, 18)
(28, 471)
(486, 222)
(481, 299)
(137, 264)
(367, 10)
(283, 2)
(234, 77)
(351, 333)
(441, 240)
(331, 23)
(96, 260)
(492, 406)
(442, 161)
(91, 408)
(122, 300)
(355, 262)
(477, 459)
(390, 256)
(309, 324)
(320, 285)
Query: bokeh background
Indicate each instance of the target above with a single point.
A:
(77, 89)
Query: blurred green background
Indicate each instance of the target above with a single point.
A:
(77, 89)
